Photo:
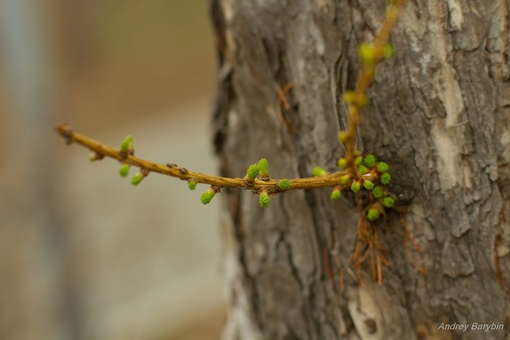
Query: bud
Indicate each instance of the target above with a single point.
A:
(382, 167)
(283, 184)
(252, 173)
(368, 184)
(207, 196)
(367, 53)
(385, 178)
(263, 166)
(138, 177)
(355, 186)
(94, 156)
(369, 160)
(335, 195)
(342, 136)
(358, 160)
(362, 170)
(373, 214)
(348, 97)
(124, 170)
(318, 171)
(345, 179)
(342, 163)
(126, 144)
(388, 202)
(192, 184)
(264, 199)
(377, 192)
(388, 50)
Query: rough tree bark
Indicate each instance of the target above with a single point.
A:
(439, 114)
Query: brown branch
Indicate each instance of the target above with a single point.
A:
(271, 185)
(365, 79)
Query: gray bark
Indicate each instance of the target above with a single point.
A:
(439, 114)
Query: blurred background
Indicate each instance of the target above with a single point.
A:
(83, 254)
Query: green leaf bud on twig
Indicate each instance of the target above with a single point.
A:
(358, 160)
(284, 184)
(369, 160)
(342, 163)
(388, 50)
(335, 195)
(138, 177)
(342, 136)
(348, 97)
(124, 170)
(368, 184)
(377, 192)
(192, 184)
(126, 144)
(362, 170)
(345, 179)
(264, 199)
(385, 178)
(318, 171)
(208, 195)
(263, 166)
(94, 156)
(252, 173)
(367, 53)
(388, 202)
(373, 214)
(382, 167)
(355, 186)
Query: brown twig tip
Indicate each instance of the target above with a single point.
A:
(65, 131)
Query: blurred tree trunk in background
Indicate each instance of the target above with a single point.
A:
(439, 114)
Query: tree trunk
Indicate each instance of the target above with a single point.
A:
(439, 114)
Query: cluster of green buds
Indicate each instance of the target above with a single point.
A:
(371, 175)
(260, 169)
(127, 149)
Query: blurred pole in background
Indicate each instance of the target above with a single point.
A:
(34, 294)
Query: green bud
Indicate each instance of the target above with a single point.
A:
(263, 166)
(369, 160)
(348, 97)
(264, 199)
(94, 156)
(366, 53)
(137, 178)
(124, 170)
(388, 50)
(388, 202)
(318, 171)
(373, 214)
(342, 136)
(342, 163)
(126, 144)
(382, 167)
(252, 172)
(355, 186)
(335, 195)
(385, 178)
(207, 196)
(192, 184)
(362, 170)
(377, 192)
(358, 160)
(345, 179)
(284, 184)
(368, 184)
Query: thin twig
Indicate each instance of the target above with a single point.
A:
(271, 185)
(365, 79)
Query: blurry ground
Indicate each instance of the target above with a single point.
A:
(83, 254)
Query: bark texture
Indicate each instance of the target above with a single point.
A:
(439, 114)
